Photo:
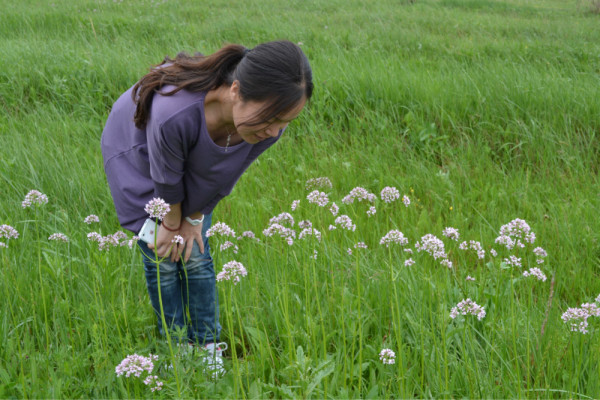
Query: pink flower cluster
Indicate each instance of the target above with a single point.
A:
(408, 262)
(432, 245)
(515, 233)
(318, 198)
(345, 222)
(387, 356)
(177, 239)
(157, 208)
(406, 200)
(134, 365)
(60, 237)
(91, 218)
(394, 236)
(7, 232)
(308, 232)
(34, 197)
(513, 260)
(117, 239)
(540, 254)
(249, 235)
(473, 245)
(220, 228)
(288, 234)
(371, 211)
(389, 194)
(536, 272)
(315, 183)
(232, 271)
(295, 204)
(305, 224)
(360, 194)
(577, 318)
(228, 245)
(468, 306)
(334, 209)
(282, 219)
(451, 233)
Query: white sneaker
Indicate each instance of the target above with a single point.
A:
(213, 359)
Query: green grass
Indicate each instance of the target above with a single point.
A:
(480, 111)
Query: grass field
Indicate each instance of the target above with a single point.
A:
(480, 111)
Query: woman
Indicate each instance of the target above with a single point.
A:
(185, 133)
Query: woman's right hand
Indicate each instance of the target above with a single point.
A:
(164, 241)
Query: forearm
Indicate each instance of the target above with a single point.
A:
(173, 218)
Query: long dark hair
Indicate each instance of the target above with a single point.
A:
(276, 72)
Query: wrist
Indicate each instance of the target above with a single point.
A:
(170, 229)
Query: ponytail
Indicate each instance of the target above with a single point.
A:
(195, 73)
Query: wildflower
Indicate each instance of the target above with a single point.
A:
(119, 235)
(315, 254)
(220, 228)
(540, 253)
(408, 251)
(389, 194)
(8, 232)
(332, 227)
(359, 194)
(535, 272)
(288, 234)
(227, 245)
(432, 245)
(233, 270)
(3, 245)
(470, 278)
(468, 306)
(153, 382)
(177, 239)
(59, 237)
(131, 242)
(408, 262)
(295, 204)
(360, 245)
(157, 208)
(345, 222)
(513, 260)
(406, 200)
(34, 197)
(322, 182)
(135, 365)
(394, 236)
(514, 232)
(282, 218)
(451, 233)
(349, 251)
(577, 317)
(447, 263)
(371, 211)
(387, 356)
(91, 218)
(473, 245)
(249, 235)
(318, 198)
(94, 237)
(334, 209)
(493, 252)
(310, 231)
(304, 224)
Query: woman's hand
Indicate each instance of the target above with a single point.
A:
(189, 233)
(164, 242)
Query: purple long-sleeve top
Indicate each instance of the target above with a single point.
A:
(173, 158)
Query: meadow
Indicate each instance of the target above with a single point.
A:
(480, 112)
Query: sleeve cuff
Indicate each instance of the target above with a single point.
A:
(172, 194)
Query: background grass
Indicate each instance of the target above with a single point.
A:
(481, 111)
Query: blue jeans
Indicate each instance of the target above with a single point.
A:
(188, 291)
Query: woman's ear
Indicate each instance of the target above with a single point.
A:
(234, 91)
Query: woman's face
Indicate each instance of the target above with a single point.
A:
(246, 111)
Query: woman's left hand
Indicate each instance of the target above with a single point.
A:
(189, 233)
